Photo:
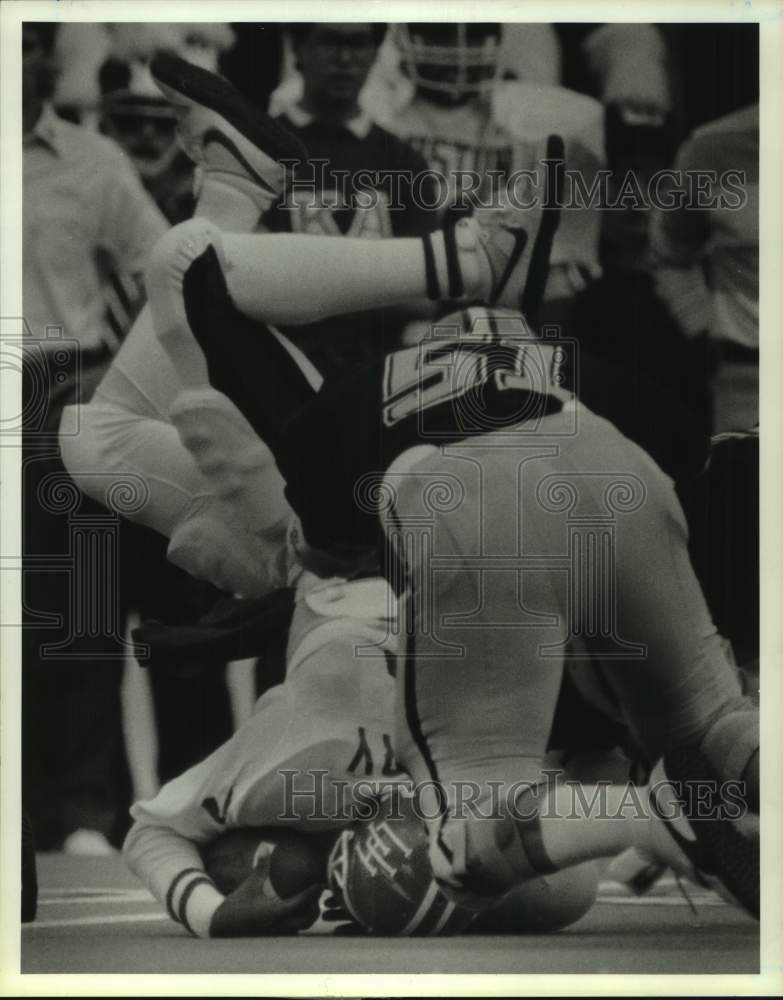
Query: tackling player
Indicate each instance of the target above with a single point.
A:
(523, 458)
(238, 844)
(695, 694)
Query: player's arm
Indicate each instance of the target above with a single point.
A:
(174, 870)
(165, 844)
(171, 867)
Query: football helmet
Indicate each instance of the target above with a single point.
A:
(380, 873)
(449, 63)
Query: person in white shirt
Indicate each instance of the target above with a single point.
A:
(708, 262)
(84, 212)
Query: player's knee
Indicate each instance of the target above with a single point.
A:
(477, 860)
(85, 449)
(73, 443)
(176, 250)
(543, 904)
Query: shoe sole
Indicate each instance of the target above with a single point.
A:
(532, 258)
(218, 95)
(732, 855)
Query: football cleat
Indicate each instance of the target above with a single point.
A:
(235, 142)
(516, 243)
(636, 870)
(712, 839)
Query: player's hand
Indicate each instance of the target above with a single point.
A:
(254, 909)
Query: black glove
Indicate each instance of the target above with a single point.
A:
(254, 909)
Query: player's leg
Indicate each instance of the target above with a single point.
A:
(454, 723)
(682, 688)
(634, 600)
(475, 697)
(683, 698)
(240, 151)
(297, 279)
(475, 701)
(103, 442)
(641, 612)
(300, 279)
(494, 257)
(142, 382)
(209, 295)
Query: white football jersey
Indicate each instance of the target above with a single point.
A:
(314, 751)
(295, 761)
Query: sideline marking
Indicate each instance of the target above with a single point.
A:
(660, 901)
(131, 896)
(118, 918)
(92, 891)
(138, 918)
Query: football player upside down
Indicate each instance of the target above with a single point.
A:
(514, 525)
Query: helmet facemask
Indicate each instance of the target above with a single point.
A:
(449, 64)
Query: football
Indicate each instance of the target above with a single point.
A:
(294, 860)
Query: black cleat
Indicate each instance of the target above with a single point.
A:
(718, 835)
(221, 130)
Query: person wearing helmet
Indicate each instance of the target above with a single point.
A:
(479, 131)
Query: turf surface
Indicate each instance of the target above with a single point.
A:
(94, 917)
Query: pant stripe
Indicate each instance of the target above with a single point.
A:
(411, 709)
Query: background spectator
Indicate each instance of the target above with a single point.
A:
(360, 180)
(466, 122)
(85, 213)
(708, 262)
